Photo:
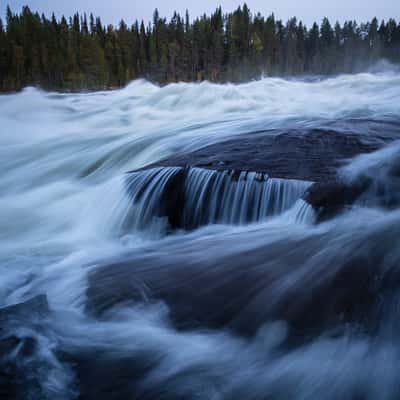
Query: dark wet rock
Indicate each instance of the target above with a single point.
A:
(244, 289)
(109, 374)
(15, 350)
(329, 198)
(377, 186)
(172, 199)
(30, 310)
(26, 361)
(304, 154)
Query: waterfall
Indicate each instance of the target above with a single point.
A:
(149, 190)
(193, 197)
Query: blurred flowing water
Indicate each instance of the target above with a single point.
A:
(65, 208)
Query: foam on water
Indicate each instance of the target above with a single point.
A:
(64, 210)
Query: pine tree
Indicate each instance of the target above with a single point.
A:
(82, 54)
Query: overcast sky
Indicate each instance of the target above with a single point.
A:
(111, 11)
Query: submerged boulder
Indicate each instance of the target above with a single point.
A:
(303, 155)
(329, 198)
(30, 310)
(316, 281)
(20, 361)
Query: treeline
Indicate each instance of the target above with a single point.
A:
(82, 53)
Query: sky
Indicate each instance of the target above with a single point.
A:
(306, 10)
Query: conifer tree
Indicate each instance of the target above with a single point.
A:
(82, 53)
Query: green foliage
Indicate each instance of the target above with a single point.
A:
(84, 54)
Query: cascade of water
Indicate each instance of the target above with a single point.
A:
(148, 189)
(208, 197)
(236, 198)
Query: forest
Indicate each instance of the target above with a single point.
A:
(82, 53)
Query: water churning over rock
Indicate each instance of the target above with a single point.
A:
(192, 197)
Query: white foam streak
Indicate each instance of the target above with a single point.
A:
(64, 208)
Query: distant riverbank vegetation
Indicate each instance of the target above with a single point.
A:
(80, 52)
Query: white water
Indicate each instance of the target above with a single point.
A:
(64, 203)
(61, 153)
(208, 197)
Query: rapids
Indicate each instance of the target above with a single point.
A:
(248, 298)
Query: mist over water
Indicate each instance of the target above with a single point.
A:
(65, 211)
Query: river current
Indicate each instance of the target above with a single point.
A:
(66, 210)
